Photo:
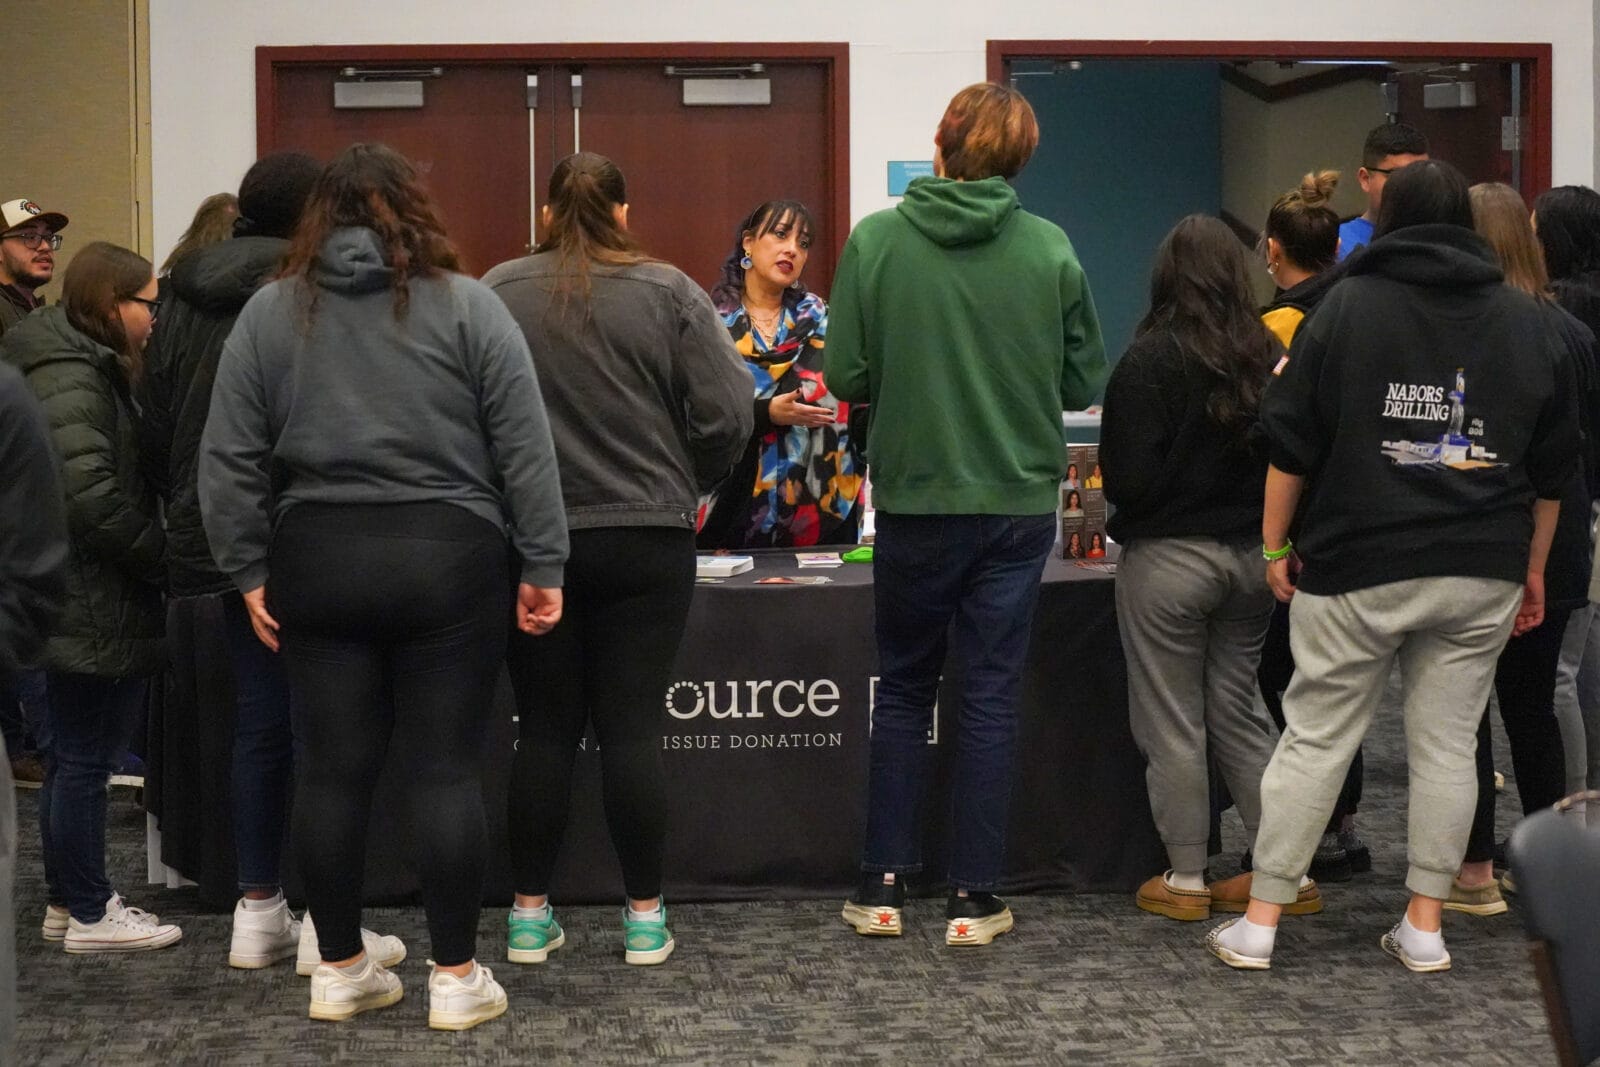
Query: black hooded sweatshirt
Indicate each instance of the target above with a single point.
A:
(1422, 343)
(200, 300)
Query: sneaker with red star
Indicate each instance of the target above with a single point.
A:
(875, 909)
(975, 919)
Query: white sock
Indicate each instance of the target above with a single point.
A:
(541, 913)
(1248, 939)
(272, 903)
(1304, 881)
(1421, 945)
(651, 916)
(1191, 880)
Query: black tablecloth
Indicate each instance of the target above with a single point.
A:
(764, 735)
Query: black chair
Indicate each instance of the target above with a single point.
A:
(1557, 865)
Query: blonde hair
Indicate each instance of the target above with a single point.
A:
(1303, 223)
(213, 222)
(1501, 218)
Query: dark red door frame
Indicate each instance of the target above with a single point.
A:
(836, 56)
(1536, 176)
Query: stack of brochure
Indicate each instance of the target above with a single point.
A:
(817, 559)
(722, 566)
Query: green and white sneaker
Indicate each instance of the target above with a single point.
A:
(532, 940)
(646, 941)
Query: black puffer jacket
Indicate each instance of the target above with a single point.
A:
(201, 299)
(111, 622)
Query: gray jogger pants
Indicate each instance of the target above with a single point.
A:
(1446, 634)
(1192, 612)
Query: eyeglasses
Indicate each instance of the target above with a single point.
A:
(1382, 170)
(152, 306)
(32, 239)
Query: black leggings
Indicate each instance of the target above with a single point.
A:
(1525, 684)
(394, 621)
(607, 662)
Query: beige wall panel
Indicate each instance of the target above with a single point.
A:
(67, 128)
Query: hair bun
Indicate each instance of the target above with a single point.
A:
(1317, 188)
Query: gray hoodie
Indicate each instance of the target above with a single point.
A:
(649, 401)
(361, 407)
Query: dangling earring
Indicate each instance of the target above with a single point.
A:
(747, 262)
(796, 284)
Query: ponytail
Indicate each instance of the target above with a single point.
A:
(584, 190)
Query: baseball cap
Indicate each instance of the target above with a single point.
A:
(14, 213)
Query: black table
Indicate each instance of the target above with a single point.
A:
(764, 733)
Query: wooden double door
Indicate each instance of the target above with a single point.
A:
(693, 171)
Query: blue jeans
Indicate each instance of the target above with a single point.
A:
(973, 579)
(263, 751)
(87, 727)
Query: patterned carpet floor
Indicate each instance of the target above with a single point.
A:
(1082, 979)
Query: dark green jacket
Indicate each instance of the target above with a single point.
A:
(112, 621)
(967, 324)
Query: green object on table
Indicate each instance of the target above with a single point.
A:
(858, 555)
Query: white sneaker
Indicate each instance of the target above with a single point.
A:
(386, 949)
(462, 1003)
(262, 938)
(121, 929)
(337, 993)
(54, 927)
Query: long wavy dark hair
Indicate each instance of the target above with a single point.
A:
(1200, 296)
(1568, 222)
(374, 186)
(728, 292)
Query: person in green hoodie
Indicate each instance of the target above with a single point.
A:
(967, 324)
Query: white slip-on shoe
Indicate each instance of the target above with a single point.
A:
(1390, 943)
(1236, 960)
(387, 949)
(462, 1003)
(120, 929)
(338, 993)
(262, 938)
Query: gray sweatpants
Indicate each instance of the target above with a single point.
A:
(1193, 612)
(1446, 634)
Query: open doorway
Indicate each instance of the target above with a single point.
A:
(1135, 135)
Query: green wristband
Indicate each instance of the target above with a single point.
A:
(1277, 554)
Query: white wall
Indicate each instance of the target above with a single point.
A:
(906, 59)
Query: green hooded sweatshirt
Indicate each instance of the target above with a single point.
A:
(968, 326)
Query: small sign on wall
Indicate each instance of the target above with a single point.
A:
(901, 171)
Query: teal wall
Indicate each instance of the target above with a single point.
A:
(1126, 149)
